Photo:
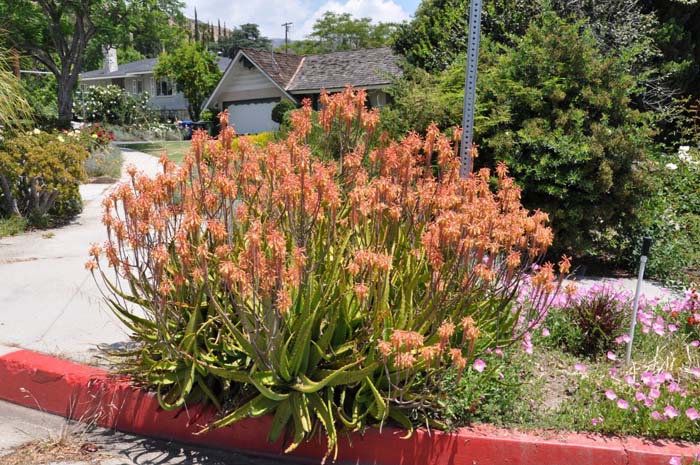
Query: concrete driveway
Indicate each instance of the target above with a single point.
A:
(48, 301)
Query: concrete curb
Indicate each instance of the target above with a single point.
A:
(91, 394)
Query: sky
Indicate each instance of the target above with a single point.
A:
(270, 14)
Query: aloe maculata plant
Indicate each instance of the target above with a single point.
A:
(271, 281)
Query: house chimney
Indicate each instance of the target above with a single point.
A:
(110, 63)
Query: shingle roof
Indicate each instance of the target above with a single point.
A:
(296, 73)
(365, 67)
(279, 66)
(139, 67)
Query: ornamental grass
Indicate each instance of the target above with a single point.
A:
(331, 279)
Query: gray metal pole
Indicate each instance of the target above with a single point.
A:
(646, 245)
(470, 88)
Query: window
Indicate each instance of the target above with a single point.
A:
(137, 87)
(164, 87)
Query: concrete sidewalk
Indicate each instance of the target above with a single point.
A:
(48, 301)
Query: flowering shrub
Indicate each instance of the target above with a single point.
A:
(671, 217)
(111, 104)
(276, 280)
(39, 175)
(657, 395)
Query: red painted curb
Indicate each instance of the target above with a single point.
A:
(82, 392)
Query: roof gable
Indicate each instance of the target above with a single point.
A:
(280, 67)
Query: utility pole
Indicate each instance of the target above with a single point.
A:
(286, 27)
(466, 148)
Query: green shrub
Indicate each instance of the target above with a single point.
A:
(559, 112)
(12, 225)
(112, 104)
(281, 109)
(40, 174)
(273, 283)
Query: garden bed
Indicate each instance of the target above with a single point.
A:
(91, 394)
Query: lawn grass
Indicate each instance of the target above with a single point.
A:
(176, 150)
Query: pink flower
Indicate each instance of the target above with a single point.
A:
(695, 343)
(695, 372)
(625, 338)
(675, 461)
(674, 387)
(672, 328)
(692, 414)
(640, 397)
(623, 404)
(581, 368)
(479, 365)
(648, 402)
(647, 377)
(610, 394)
(654, 393)
(613, 371)
(670, 412)
(612, 356)
(629, 379)
(597, 421)
(545, 332)
(656, 415)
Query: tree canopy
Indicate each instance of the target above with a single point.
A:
(337, 32)
(195, 72)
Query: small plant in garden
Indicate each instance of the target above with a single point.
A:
(40, 173)
(326, 279)
(588, 322)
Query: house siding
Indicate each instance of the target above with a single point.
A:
(245, 84)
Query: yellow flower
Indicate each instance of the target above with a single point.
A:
(36, 131)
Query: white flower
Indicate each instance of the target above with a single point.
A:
(671, 166)
(61, 139)
(36, 131)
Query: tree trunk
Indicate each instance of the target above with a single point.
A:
(10, 204)
(65, 101)
(194, 111)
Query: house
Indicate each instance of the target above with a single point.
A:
(137, 77)
(256, 80)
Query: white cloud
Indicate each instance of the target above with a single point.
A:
(380, 11)
(270, 14)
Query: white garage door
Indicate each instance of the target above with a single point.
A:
(252, 117)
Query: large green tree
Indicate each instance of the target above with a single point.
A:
(244, 36)
(56, 34)
(340, 31)
(59, 34)
(195, 72)
(559, 112)
(148, 28)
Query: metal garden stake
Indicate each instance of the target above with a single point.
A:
(470, 89)
(646, 245)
